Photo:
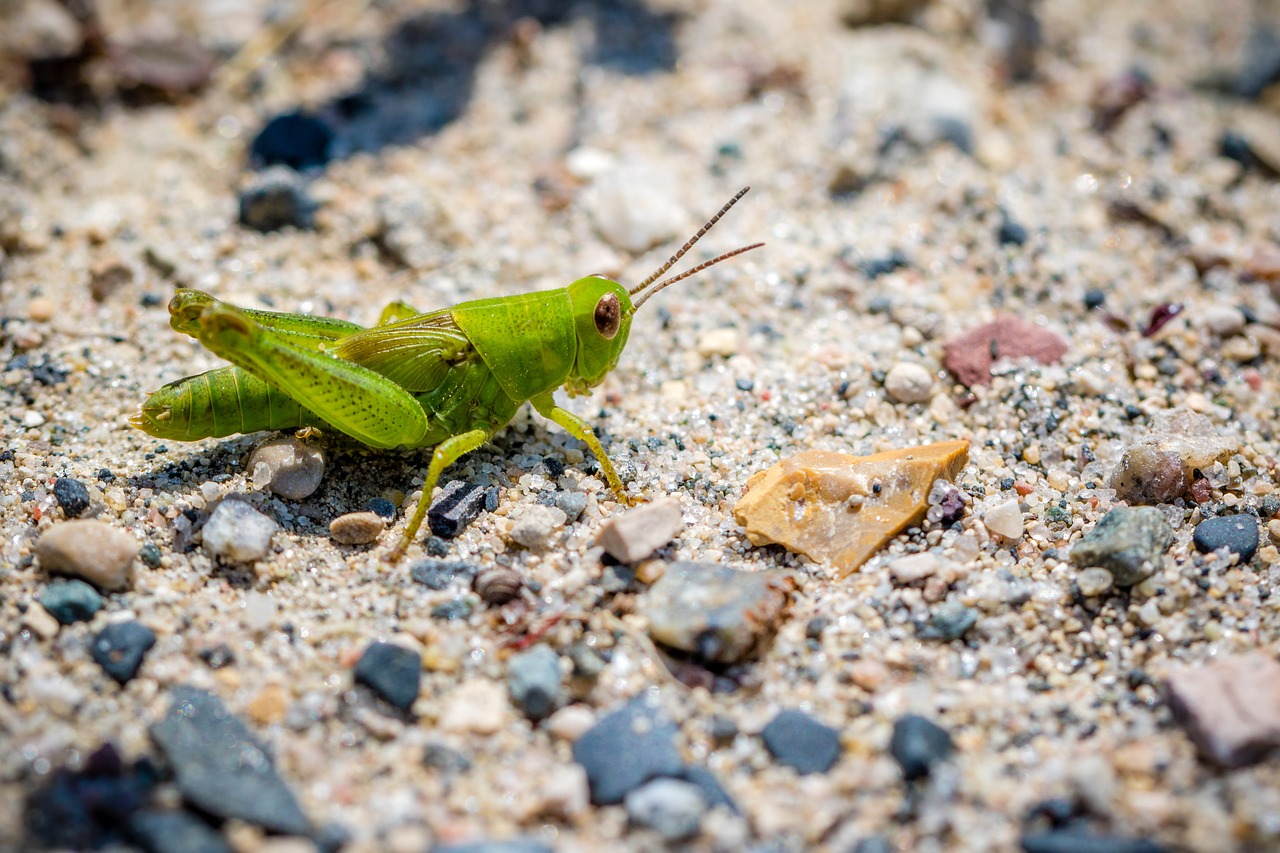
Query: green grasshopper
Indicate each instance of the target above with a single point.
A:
(450, 378)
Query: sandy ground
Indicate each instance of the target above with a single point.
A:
(499, 166)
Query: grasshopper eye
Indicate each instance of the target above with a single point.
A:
(608, 315)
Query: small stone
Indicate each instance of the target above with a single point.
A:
(277, 198)
(89, 549)
(72, 496)
(1010, 233)
(1237, 533)
(914, 567)
(839, 508)
(533, 677)
(971, 355)
(238, 533)
(392, 672)
(1095, 581)
(357, 528)
(797, 740)
(296, 140)
(1070, 839)
(294, 470)
(1230, 707)
(950, 621)
(719, 614)
(71, 601)
(150, 555)
(570, 722)
(269, 705)
(633, 209)
(1129, 542)
(381, 507)
(177, 831)
(1005, 519)
(917, 745)
(221, 768)
(625, 749)
(671, 807)
(868, 674)
(909, 383)
(721, 342)
(458, 504)
(1222, 320)
(107, 276)
(508, 845)
(439, 574)
(40, 621)
(564, 791)
(478, 707)
(1160, 467)
(534, 525)
(120, 647)
(637, 533)
(571, 504)
(41, 309)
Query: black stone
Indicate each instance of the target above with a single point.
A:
(458, 505)
(438, 574)
(445, 758)
(625, 749)
(918, 744)
(876, 267)
(218, 656)
(797, 740)
(174, 832)
(87, 809)
(1094, 297)
(392, 672)
(277, 198)
(1233, 146)
(1075, 841)
(744, 384)
(71, 601)
(510, 845)
(1236, 533)
(221, 769)
(119, 649)
(381, 507)
(1011, 233)
(296, 140)
(72, 496)
(150, 555)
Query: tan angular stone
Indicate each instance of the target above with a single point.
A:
(839, 508)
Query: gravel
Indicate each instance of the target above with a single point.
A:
(238, 533)
(393, 673)
(120, 647)
(71, 601)
(797, 740)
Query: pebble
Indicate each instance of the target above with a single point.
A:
(1095, 581)
(381, 507)
(1010, 232)
(721, 615)
(1129, 542)
(632, 209)
(841, 509)
(917, 745)
(533, 678)
(533, 527)
(296, 140)
(1158, 468)
(89, 549)
(1005, 519)
(71, 601)
(869, 674)
(571, 722)
(238, 533)
(439, 574)
(509, 845)
(909, 383)
(150, 555)
(950, 620)
(1222, 320)
(81, 808)
(458, 504)
(721, 342)
(971, 355)
(177, 831)
(671, 807)
(564, 791)
(797, 740)
(107, 276)
(293, 470)
(1229, 707)
(498, 584)
(220, 767)
(914, 567)
(638, 532)
(1072, 840)
(269, 705)
(357, 528)
(625, 749)
(72, 496)
(392, 672)
(276, 198)
(572, 504)
(1237, 533)
(41, 309)
(40, 621)
(478, 706)
(120, 647)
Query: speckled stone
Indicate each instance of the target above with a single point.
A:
(72, 496)
(1129, 542)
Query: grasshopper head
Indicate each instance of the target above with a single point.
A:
(602, 319)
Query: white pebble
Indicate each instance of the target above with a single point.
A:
(91, 550)
(1094, 581)
(718, 342)
(570, 722)
(633, 209)
(238, 533)
(639, 532)
(479, 706)
(914, 567)
(534, 525)
(1222, 320)
(293, 469)
(909, 383)
(565, 792)
(1005, 519)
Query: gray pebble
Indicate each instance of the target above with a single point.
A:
(393, 672)
(1095, 581)
(533, 677)
(917, 745)
(909, 383)
(625, 749)
(91, 550)
(950, 620)
(72, 496)
(797, 740)
(357, 528)
(120, 647)
(277, 198)
(71, 601)
(671, 807)
(177, 831)
(535, 524)
(1129, 542)
(293, 470)
(238, 533)
(571, 504)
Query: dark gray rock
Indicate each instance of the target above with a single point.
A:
(221, 769)
(120, 647)
(917, 745)
(950, 620)
(1129, 542)
(71, 601)
(625, 749)
(392, 672)
(72, 496)
(533, 677)
(457, 506)
(438, 574)
(797, 740)
(277, 198)
(1070, 840)
(174, 832)
(1236, 533)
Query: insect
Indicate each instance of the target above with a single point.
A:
(450, 378)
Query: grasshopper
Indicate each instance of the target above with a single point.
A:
(450, 378)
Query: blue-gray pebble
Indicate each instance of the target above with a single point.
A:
(71, 601)
(917, 745)
(176, 831)
(797, 740)
(392, 672)
(533, 677)
(120, 647)
(1070, 840)
(1236, 533)
(625, 749)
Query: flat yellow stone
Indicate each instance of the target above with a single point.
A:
(840, 509)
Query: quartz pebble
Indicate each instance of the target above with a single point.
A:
(633, 211)
(1223, 320)
(533, 678)
(1159, 467)
(797, 740)
(291, 469)
(909, 383)
(672, 807)
(720, 614)
(914, 567)
(1005, 519)
(478, 706)
(357, 528)
(71, 601)
(1230, 707)
(638, 532)
(571, 722)
(1129, 542)
(89, 549)
(120, 647)
(917, 745)
(238, 533)
(722, 342)
(1095, 581)
(839, 508)
(1237, 533)
(534, 525)
(392, 672)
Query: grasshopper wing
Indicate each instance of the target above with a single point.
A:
(417, 354)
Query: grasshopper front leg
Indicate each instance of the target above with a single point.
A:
(546, 406)
(446, 453)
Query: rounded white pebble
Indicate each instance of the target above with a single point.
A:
(293, 470)
(570, 722)
(909, 383)
(634, 210)
(1005, 519)
(238, 533)
(535, 524)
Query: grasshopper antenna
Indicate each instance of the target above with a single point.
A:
(686, 247)
(699, 268)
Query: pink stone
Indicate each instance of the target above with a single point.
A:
(971, 355)
(1230, 708)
